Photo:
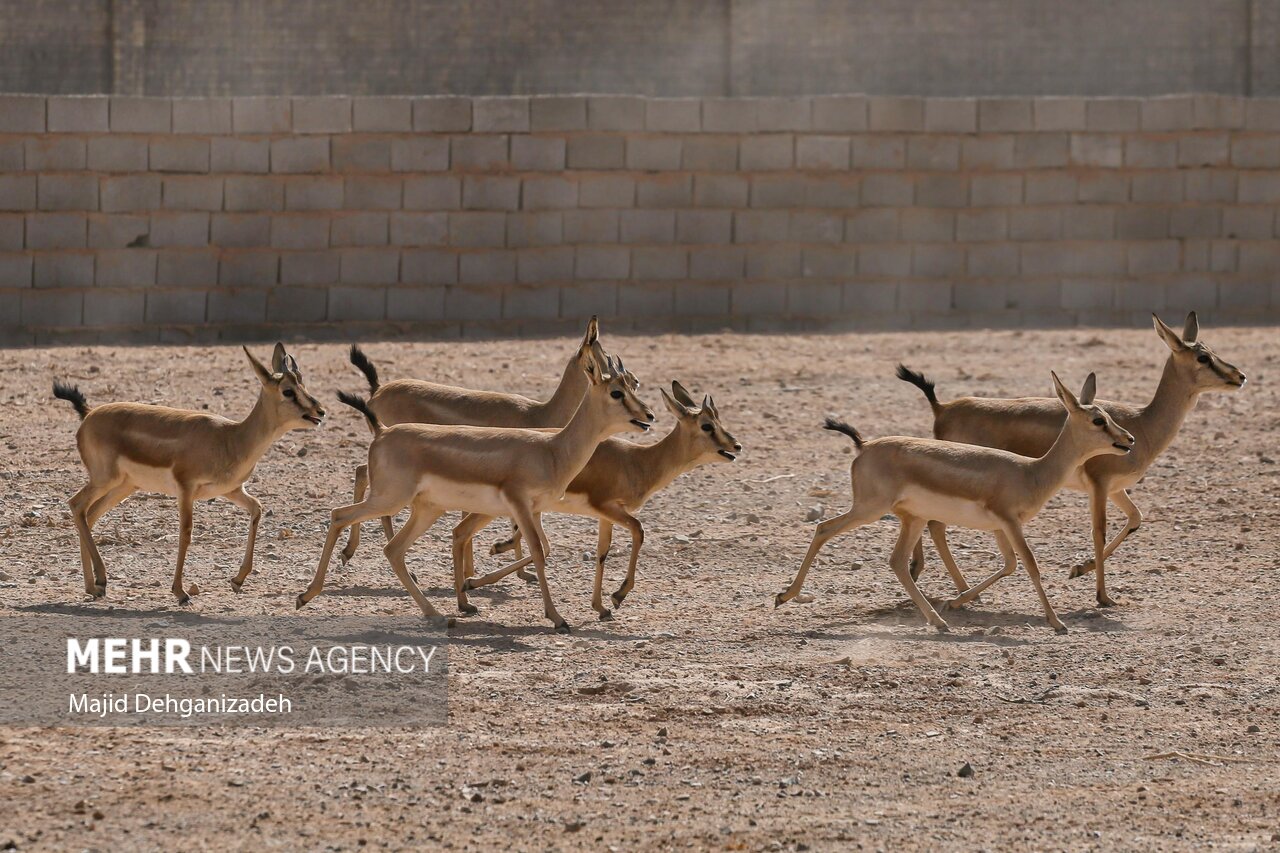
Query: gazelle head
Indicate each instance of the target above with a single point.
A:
(284, 393)
(590, 348)
(1089, 421)
(700, 426)
(613, 391)
(1195, 363)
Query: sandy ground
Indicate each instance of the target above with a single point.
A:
(706, 718)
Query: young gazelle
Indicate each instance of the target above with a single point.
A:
(193, 456)
(519, 473)
(618, 482)
(1028, 425)
(412, 401)
(918, 479)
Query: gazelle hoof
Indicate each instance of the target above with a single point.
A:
(468, 609)
(1080, 569)
(942, 628)
(779, 600)
(301, 601)
(606, 615)
(236, 587)
(1060, 628)
(184, 600)
(1105, 600)
(344, 558)
(99, 591)
(617, 599)
(563, 628)
(468, 584)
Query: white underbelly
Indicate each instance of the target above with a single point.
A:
(467, 497)
(948, 509)
(149, 478)
(573, 504)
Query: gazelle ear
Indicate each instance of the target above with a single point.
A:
(592, 365)
(593, 331)
(676, 408)
(710, 404)
(682, 394)
(264, 375)
(278, 356)
(1088, 389)
(1169, 336)
(1191, 330)
(1064, 394)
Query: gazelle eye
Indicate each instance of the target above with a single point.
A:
(1099, 421)
(1204, 359)
(707, 427)
(288, 392)
(617, 395)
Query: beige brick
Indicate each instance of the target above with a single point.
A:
(887, 191)
(354, 154)
(704, 226)
(1035, 223)
(1151, 153)
(309, 268)
(202, 115)
(436, 192)
(664, 191)
(490, 193)
(478, 153)
(1170, 113)
(22, 114)
(602, 262)
(358, 230)
(886, 261)
(711, 154)
(780, 114)
(1198, 221)
(942, 191)
(321, 114)
(1088, 222)
(1050, 188)
(545, 264)
(1041, 150)
(372, 193)
(720, 191)
(240, 230)
(982, 225)
(672, 115)
(419, 154)
(118, 232)
(192, 193)
(249, 193)
(591, 226)
(1262, 114)
(1102, 187)
(141, 115)
(654, 153)
(1112, 115)
(298, 231)
(1204, 150)
(1156, 187)
(386, 115)
(872, 226)
(56, 230)
(415, 303)
(179, 154)
(180, 229)
(995, 190)
(1260, 188)
(248, 269)
(63, 270)
(766, 152)
(313, 193)
(647, 226)
(369, 266)
(549, 194)
(477, 230)
(538, 154)
(117, 154)
(1057, 114)
(989, 151)
(729, 115)
(427, 266)
(1142, 223)
(507, 114)
(1154, 257)
(615, 112)
(1095, 149)
(879, 152)
(419, 229)
(125, 268)
(839, 192)
(1248, 223)
(590, 299)
(261, 115)
(356, 304)
(493, 267)
(661, 264)
(527, 230)
(558, 113)
(926, 226)
(18, 192)
(297, 304)
(760, 226)
(1256, 152)
(821, 152)
(596, 152)
(938, 153)
(993, 260)
(608, 191)
(951, 115)
(830, 262)
(840, 113)
(900, 114)
(187, 269)
(442, 115)
(778, 191)
(77, 114)
(1001, 115)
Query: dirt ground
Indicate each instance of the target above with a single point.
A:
(706, 718)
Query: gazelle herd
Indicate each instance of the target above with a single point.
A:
(991, 465)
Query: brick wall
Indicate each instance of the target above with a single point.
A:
(171, 219)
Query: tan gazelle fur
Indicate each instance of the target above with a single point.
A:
(412, 401)
(129, 447)
(1028, 425)
(496, 471)
(618, 482)
(918, 479)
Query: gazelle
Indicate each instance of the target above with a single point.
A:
(404, 401)
(918, 479)
(519, 473)
(192, 456)
(618, 482)
(1028, 425)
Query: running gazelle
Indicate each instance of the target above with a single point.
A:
(129, 447)
(1027, 425)
(918, 479)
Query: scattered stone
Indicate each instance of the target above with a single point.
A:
(194, 589)
(574, 825)
(752, 518)
(965, 772)
(1253, 729)
(815, 513)
(583, 778)
(662, 732)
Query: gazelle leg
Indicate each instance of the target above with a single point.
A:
(251, 505)
(1098, 511)
(1014, 532)
(353, 534)
(620, 516)
(340, 519)
(81, 503)
(604, 541)
(908, 536)
(826, 530)
(1010, 566)
(1134, 517)
(917, 559)
(463, 547)
(498, 574)
(938, 533)
(186, 512)
(531, 524)
(421, 517)
(513, 544)
(109, 501)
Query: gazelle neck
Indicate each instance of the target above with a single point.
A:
(1050, 471)
(574, 444)
(568, 394)
(666, 459)
(252, 436)
(1158, 423)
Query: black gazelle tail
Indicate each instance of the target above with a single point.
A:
(72, 395)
